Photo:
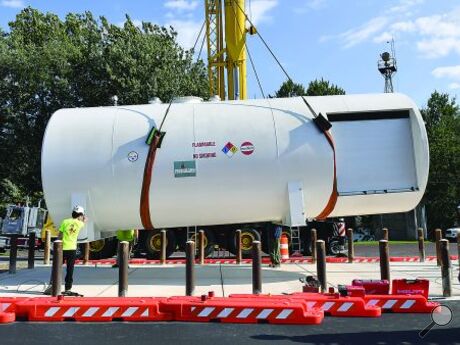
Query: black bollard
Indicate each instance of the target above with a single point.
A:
(314, 238)
(421, 244)
(86, 253)
(190, 268)
(351, 246)
(56, 275)
(201, 241)
(46, 254)
(384, 260)
(239, 255)
(31, 251)
(13, 254)
(123, 259)
(445, 268)
(438, 238)
(163, 247)
(321, 264)
(256, 268)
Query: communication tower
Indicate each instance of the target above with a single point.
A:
(387, 67)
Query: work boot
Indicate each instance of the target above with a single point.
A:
(115, 266)
(48, 290)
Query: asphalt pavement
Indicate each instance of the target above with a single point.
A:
(388, 329)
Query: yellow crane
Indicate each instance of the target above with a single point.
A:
(227, 48)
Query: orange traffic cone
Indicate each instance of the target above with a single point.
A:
(284, 247)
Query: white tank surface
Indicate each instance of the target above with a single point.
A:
(230, 162)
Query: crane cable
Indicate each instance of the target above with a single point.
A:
(321, 123)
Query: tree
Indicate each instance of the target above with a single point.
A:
(47, 63)
(442, 118)
(323, 88)
(315, 88)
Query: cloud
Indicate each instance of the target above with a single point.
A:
(311, 5)
(452, 72)
(187, 31)
(13, 3)
(404, 5)
(355, 36)
(438, 47)
(258, 10)
(181, 5)
(454, 86)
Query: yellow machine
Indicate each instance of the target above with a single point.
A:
(49, 225)
(228, 53)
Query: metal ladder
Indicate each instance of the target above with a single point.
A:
(295, 241)
(192, 233)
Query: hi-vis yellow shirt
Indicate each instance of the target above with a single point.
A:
(70, 228)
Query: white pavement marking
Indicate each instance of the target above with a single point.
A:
(264, 314)
(51, 311)
(109, 312)
(91, 311)
(225, 312)
(389, 304)
(345, 306)
(129, 312)
(71, 311)
(245, 313)
(409, 303)
(206, 311)
(284, 314)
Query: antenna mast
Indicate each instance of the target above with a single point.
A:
(387, 67)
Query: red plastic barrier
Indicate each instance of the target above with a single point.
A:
(243, 310)
(373, 287)
(332, 304)
(401, 303)
(91, 309)
(411, 287)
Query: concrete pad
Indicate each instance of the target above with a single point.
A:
(169, 280)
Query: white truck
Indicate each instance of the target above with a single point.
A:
(227, 165)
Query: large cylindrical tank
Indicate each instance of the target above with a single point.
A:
(235, 161)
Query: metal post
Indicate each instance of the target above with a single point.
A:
(86, 253)
(314, 238)
(438, 238)
(201, 240)
(56, 275)
(46, 254)
(190, 268)
(13, 254)
(163, 247)
(256, 268)
(458, 250)
(445, 268)
(384, 260)
(351, 246)
(31, 251)
(238, 246)
(421, 244)
(385, 234)
(123, 259)
(321, 264)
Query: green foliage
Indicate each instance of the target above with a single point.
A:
(323, 88)
(442, 118)
(315, 88)
(47, 63)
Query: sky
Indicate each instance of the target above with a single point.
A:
(338, 40)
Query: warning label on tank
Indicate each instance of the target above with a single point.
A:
(184, 169)
(230, 149)
(247, 148)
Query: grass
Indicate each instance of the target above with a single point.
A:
(376, 243)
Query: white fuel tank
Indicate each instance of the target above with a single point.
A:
(236, 161)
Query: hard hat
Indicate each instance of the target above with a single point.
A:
(79, 209)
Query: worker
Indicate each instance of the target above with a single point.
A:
(275, 256)
(68, 233)
(128, 236)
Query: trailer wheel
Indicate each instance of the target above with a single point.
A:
(102, 249)
(248, 235)
(153, 244)
(209, 243)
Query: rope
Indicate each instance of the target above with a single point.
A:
(198, 37)
(201, 48)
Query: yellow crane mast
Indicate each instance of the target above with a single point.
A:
(226, 51)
